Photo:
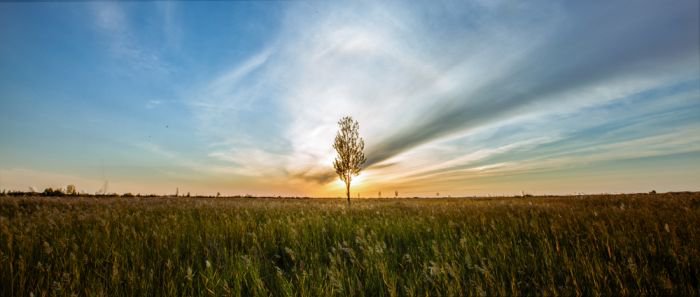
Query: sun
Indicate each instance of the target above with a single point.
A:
(356, 181)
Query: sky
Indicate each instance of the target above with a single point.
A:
(454, 98)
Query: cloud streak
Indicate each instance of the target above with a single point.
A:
(113, 21)
(574, 59)
(418, 78)
(455, 96)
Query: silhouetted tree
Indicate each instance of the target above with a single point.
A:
(70, 190)
(53, 192)
(350, 148)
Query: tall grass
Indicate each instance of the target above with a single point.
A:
(602, 245)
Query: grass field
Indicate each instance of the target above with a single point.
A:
(594, 245)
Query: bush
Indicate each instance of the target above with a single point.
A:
(53, 192)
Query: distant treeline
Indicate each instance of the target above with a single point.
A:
(71, 192)
(58, 192)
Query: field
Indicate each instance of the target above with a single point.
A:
(591, 245)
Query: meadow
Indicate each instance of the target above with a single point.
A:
(641, 244)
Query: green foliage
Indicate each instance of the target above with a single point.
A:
(604, 245)
(349, 147)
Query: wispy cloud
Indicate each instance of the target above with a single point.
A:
(112, 20)
(653, 146)
(172, 29)
(418, 78)
(252, 162)
(153, 103)
(573, 60)
(228, 93)
(463, 95)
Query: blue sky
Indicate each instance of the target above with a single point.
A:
(457, 97)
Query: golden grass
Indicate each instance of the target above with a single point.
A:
(597, 245)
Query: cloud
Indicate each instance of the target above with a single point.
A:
(472, 157)
(232, 103)
(252, 162)
(110, 17)
(112, 20)
(574, 134)
(600, 45)
(653, 146)
(153, 104)
(225, 93)
(419, 77)
(318, 176)
(174, 164)
(172, 30)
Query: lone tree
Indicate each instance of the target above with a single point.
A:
(349, 146)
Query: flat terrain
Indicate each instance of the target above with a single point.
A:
(592, 245)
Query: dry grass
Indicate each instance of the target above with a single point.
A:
(599, 245)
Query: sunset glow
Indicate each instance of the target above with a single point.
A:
(462, 98)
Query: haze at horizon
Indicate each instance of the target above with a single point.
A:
(460, 98)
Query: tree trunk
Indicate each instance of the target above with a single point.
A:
(347, 192)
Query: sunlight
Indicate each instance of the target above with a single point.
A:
(356, 182)
(339, 184)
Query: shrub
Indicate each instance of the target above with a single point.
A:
(53, 192)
